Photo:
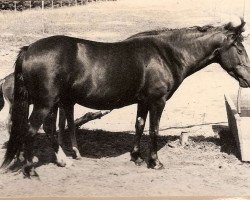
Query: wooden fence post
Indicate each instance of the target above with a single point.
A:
(30, 5)
(75, 2)
(61, 3)
(52, 4)
(15, 5)
(43, 17)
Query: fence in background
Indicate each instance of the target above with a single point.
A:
(41, 4)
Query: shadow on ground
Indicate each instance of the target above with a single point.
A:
(223, 139)
(98, 143)
(227, 140)
(92, 144)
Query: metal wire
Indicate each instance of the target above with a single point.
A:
(239, 100)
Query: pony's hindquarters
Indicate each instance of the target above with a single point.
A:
(20, 112)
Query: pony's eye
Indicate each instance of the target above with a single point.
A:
(240, 51)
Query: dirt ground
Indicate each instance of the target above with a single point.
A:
(208, 166)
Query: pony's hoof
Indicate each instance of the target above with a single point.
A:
(62, 160)
(29, 171)
(66, 162)
(155, 164)
(136, 158)
(78, 158)
(61, 163)
(69, 163)
(76, 155)
(139, 161)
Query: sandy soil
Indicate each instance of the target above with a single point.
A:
(209, 165)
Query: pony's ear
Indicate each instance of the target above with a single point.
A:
(234, 32)
(240, 28)
(235, 28)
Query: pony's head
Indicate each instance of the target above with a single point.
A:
(232, 55)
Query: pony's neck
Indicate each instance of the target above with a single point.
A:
(190, 52)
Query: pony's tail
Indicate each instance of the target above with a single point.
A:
(20, 112)
(1, 94)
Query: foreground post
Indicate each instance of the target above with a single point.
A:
(184, 139)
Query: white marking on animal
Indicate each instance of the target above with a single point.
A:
(62, 159)
(140, 121)
(78, 156)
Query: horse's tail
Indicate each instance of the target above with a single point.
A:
(20, 112)
(1, 94)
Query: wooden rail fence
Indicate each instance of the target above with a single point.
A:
(42, 4)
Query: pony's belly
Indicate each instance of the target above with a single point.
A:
(105, 98)
(105, 101)
(108, 104)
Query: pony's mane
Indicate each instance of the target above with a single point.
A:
(193, 29)
(201, 29)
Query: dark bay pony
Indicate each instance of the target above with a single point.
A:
(143, 70)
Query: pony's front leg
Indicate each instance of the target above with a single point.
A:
(155, 112)
(142, 111)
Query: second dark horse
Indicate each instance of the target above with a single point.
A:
(146, 70)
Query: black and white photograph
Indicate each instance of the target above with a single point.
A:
(125, 98)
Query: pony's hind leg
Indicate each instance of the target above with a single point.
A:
(62, 120)
(142, 111)
(155, 112)
(19, 155)
(69, 113)
(36, 119)
(49, 125)
(50, 130)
